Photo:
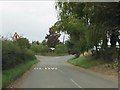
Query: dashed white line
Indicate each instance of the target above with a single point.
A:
(49, 68)
(55, 68)
(76, 83)
(46, 68)
(52, 68)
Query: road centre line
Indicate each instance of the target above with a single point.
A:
(46, 68)
(75, 83)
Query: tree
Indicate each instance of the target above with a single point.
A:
(89, 24)
(71, 21)
(44, 42)
(52, 38)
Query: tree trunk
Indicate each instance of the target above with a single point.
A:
(97, 53)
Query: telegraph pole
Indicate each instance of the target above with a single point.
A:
(64, 38)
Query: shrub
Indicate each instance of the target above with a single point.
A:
(109, 54)
(61, 49)
(13, 55)
(45, 49)
(40, 48)
(35, 48)
(23, 43)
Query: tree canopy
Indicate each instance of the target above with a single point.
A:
(52, 38)
(90, 24)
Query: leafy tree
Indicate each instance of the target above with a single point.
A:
(52, 38)
(89, 24)
(44, 42)
(36, 42)
(72, 24)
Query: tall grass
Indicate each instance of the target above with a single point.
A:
(13, 73)
(85, 62)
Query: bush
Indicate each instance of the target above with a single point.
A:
(109, 54)
(40, 48)
(27, 54)
(45, 49)
(23, 43)
(13, 55)
(35, 48)
(61, 49)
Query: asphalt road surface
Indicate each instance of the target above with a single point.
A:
(55, 72)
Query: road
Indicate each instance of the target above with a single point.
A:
(55, 72)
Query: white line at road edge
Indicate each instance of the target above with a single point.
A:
(75, 83)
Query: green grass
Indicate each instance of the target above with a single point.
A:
(85, 62)
(13, 73)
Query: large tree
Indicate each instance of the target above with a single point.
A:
(89, 24)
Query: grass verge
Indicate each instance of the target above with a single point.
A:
(85, 62)
(13, 73)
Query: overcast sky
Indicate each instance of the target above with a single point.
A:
(31, 19)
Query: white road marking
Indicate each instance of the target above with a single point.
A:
(55, 68)
(75, 83)
(46, 68)
(52, 68)
(49, 68)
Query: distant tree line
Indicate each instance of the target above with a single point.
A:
(45, 48)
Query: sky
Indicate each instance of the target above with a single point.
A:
(31, 19)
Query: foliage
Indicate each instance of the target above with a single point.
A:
(45, 49)
(89, 24)
(88, 62)
(23, 43)
(35, 47)
(71, 47)
(52, 38)
(44, 42)
(13, 55)
(61, 49)
(85, 62)
(36, 42)
(41, 48)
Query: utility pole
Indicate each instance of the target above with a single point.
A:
(64, 38)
